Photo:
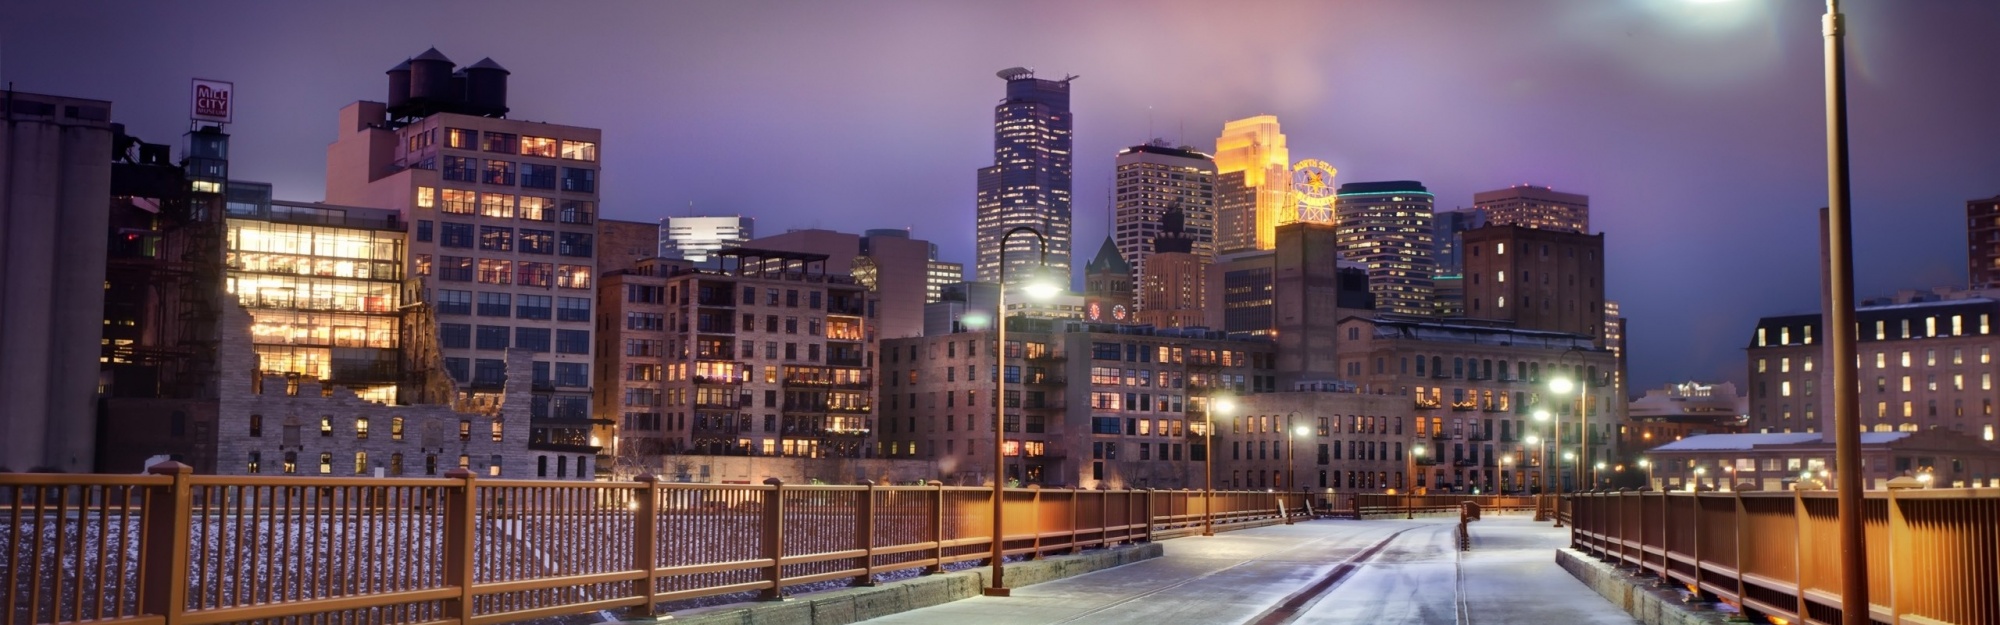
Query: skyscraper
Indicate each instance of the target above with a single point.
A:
(1151, 179)
(1386, 226)
(1253, 184)
(1982, 242)
(695, 239)
(1535, 207)
(1029, 181)
(1170, 296)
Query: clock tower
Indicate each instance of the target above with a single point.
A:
(1107, 287)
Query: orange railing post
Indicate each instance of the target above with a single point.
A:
(937, 525)
(864, 533)
(774, 540)
(645, 537)
(460, 510)
(167, 518)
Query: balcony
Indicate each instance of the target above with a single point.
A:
(1464, 462)
(717, 380)
(1479, 437)
(1464, 406)
(1426, 461)
(1494, 407)
(1045, 380)
(1440, 436)
(1048, 406)
(1427, 404)
(809, 382)
(1050, 356)
(715, 405)
(850, 361)
(861, 385)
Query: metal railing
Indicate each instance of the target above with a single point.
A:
(172, 547)
(1384, 504)
(1931, 553)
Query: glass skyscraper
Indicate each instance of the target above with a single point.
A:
(1029, 181)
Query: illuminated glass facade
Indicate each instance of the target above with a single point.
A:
(1152, 178)
(323, 286)
(1386, 226)
(1253, 184)
(1029, 181)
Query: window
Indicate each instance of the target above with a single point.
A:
(573, 277)
(493, 337)
(502, 142)
(326, 463)
(456, 235)
(460, 138)
(495, 304)
(535, 274)
(257, 458)
(424, 230)
(572, 341)
(573, 309)
(579, 180)
(532, 307)
(360, 462)
(579, 150)
(498, 205)
(575, 244)
(451, 302)
(257, 426)
(461, 169)
(455, 268)
(460, 202)
(572, 374)
(494, 271)
(455, 335)
(532, 339)
(538, 241)
(534, 208)
(498, 172)
(578, 211)
(538, 146)
(488, 372)
(496, 238)
(427, 197)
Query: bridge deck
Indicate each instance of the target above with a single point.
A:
(1378, 571)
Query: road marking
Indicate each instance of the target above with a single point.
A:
(1257, 558)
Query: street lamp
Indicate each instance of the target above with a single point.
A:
(1292, 449)
(1839, 313)
(1208, 462)
(1416, 450)
(1698, 472)
(1549, 483)
(1648, 466)
(1037, 287)
(1561, 385)
(1507, 469)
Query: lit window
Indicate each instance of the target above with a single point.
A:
(361, 427)
(1906, 358)
(426, 197)
(579, 150)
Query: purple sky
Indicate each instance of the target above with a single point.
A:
(1696, 129)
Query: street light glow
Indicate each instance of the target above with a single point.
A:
(1541, 415)
(1561, 386)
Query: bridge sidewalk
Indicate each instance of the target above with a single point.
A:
(1377, 571)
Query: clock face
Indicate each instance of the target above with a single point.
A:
(1096, 312)
(1118, 312)
(1312, 181)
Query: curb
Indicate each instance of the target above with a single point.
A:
(1636, 595)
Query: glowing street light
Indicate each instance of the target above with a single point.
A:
(1223, 405)
(1038, 286)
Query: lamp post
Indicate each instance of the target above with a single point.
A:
(1208, 462)
(1549, 481)
(1648, 466)
(1561, 385)
(1292, 434)
(1506, 468)
(1698, 472)
(1415, 451)
(1038, 288)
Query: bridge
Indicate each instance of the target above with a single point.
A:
(1391, 571)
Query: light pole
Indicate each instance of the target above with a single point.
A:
(1648, 466)
(1506, 468)
(1549, 483)
(1416, 450)
(1208, 462)
(1292, 435)
(1698, 472)
(1037, 287)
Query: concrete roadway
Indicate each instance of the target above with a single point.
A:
(1382, 571)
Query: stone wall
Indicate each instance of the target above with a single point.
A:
(271, 418)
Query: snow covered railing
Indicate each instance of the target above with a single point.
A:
(173, 547)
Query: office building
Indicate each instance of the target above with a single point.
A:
(1474, 388)
(1386, 227)
(940, 274)
(1982, 242)
(56, 154)
(696, 239)
(1536, 279)
(1151, 179)
(770, 356)
(1927, 362)
(1171, 296)
(1330, 435)
(1541, 208)
(1087, 405)
(502, 217)
(323, 287)
(1253, 182)
(1029, 181)
(622, 244)
(1448, 284)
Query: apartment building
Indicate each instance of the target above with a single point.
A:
(1328, 434)
(1087, 404)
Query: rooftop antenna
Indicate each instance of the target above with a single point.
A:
(1149, 123)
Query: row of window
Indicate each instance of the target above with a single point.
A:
(507, 205)
(501, 173)
(502, 271)
(360, 428)
(1933, 326)
(504, 239)
(493, 372)
(536, 307)
(506, 143)
(462, 336)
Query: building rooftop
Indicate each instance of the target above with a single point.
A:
(1746, 442)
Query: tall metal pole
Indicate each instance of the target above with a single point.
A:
(1583, 438)
(1840, 329)
(999, 586)
(1208, 469)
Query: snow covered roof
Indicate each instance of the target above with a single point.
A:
(1741, 442)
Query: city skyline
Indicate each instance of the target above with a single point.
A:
(1633, 104)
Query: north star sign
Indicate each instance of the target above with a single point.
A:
(214, 101)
